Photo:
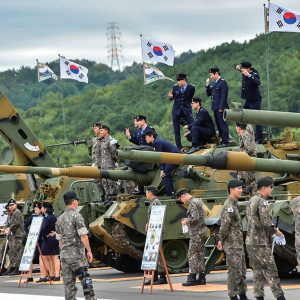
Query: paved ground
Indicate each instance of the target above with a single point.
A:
(115, 285)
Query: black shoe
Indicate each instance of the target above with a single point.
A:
(281, 298)
(30, 279)
(258, 142)
(260, 298)
(234, 298)
(52, 278)
(8, 272)
(15, 271)
(137, 193)
(243, 297)
(57, 278)
(201, 279)
(161, 280)
(191, 280)
(192, 150)
(4, 270)
(223, 146)
(42, 279)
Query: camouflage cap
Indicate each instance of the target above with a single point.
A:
(180, 192)
(234, 182)
(104, 126)
(70, 196)
(152, 188)
(264, 181)
(97, 124)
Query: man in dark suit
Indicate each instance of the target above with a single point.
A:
(182, 94)
(139, 138)
(218, 91)
(202, 129)
(251, 92)
(166, 170)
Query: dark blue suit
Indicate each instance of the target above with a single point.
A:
(252, 95)
(219, 93)
(50, 243)
(139, 137)
(202, 129)
(161, 145)
(181, 109)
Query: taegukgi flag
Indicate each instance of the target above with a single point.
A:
(152, 74)
(44, 72)
(283, 19)
(158, 52)
(71, 70)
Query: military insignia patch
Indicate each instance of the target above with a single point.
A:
(230, 209)
(266, 203)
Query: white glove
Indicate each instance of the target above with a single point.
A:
(279, 240)
(185, 229)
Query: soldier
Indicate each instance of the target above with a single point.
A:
(295, 207)
(73, 239)
(247, 144)
(96, 157)
(182, 94)
(232, 242)
(108, 152)
(15, 231)
(161, 145)
(198, 232)
(260, 229)
(4, 243)
(151, 194)
(218, 91)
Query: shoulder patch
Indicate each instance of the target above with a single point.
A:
(113, 141)
(266, 203)
(230, 209)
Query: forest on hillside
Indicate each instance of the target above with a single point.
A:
(114, 97)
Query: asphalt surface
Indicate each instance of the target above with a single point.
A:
(111, 284)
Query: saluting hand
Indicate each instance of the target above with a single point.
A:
(207, 81)
(127, 132)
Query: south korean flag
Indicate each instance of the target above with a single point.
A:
(158, 52)
(283, 19)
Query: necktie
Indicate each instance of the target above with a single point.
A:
(182, 90)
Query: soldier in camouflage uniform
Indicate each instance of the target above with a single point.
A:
(96, 155)
(232, 242)
(15, 231)
(247, 144)
(198, 232)
(295, 207)
(151, 194)
(108, 152)
(72, 236)
(258, 240)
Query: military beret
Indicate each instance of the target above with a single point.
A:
(152, 188)
(97, 124)
(70, 196)
(214, 70)
(47, 205)
(264, 181)
(180, 192)
(11, 202)
(38, 204)
(180, 76)
(234, 182)
(246, 64)
(103, 126)
(140, 117)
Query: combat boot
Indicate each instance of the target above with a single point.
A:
(281, 298)
(234, 298)
(154, 279)
(243, 297)
(191, 280)
(201, 279)
(260, 298)
(15, 271)
(8, 272)
(3, 271)
(161, 280)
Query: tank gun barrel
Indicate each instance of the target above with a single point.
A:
(84, 141)
(262, 117)
(223, 161)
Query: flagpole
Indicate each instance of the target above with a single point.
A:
(269, 131)
(143, 73)
(64, 120)
(40, 105)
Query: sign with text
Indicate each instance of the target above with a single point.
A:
(31, 242)
(154, 236)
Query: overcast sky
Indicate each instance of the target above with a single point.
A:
(40, 29)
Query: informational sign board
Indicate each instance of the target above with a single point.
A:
(154, 236)
(3, 216)
(30, 246)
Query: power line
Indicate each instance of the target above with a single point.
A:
(114, 51)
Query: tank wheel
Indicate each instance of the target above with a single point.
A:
(176, 253)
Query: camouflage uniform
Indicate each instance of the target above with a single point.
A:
(295, 207)
(198, 233)
(160, 264)
(69, 227)
(231, 238)
(108, 152)
(247, 144)
(96, 158)
(15, 224)
(260, 230)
